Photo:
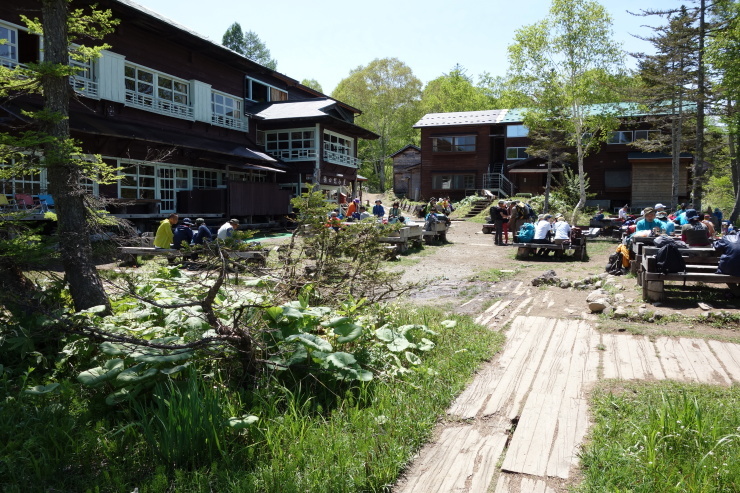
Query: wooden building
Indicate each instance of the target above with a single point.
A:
(468, 151)
(195, 127)
(407, 172)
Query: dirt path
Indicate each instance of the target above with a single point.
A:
(519, 425)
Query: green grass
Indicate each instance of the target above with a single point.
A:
(493, 275)
(663, 437)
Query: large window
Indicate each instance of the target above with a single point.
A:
(204, 178)
(646, 134)
(462, 143)
(453, 182)
(139, 182)
(618, 179)
(516, 153)
(293, 145)
(8, 46)
(226, 111)
(18, 46)
(620, 137)
(516, 131)
(157, 92)
(84, 81)
(262, 93)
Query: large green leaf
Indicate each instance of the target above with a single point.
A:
(160, 359)
(412, 358)
(196, 323)
(425, 345)
(241, 423)
(175, 369)
(398, 344)
(337, 321)
(347, 332)
(385, 334)
(41, 389)
(291, 312)
(341, 360)
(111, 349)
(311, 341)
(136, 374)
(97, 376)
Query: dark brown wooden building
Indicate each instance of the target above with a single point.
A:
(468, 151)
(407, 172)
(195, 127)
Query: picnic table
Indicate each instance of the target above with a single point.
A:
(701, 266)
(437, 233)
(401, 239)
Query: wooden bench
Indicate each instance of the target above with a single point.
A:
(692, 257)
(653, 282)
(404, 237)
(525, 249)
(130, 254)
(438, 233)
(488, 229)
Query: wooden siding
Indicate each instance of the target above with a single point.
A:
(257, 199)
(654, 183)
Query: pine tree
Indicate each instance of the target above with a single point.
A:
(249, 44)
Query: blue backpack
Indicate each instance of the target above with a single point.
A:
(526, 233)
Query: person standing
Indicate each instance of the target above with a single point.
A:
(353, 207)
(163, 238)
(499, 215)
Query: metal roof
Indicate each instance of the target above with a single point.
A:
(311, 108)
(461, 118)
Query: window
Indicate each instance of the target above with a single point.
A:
(620, 137)
(618, 179)
(464, 143)
(291, 144)
(516, 131)
(646, 134)
(8, 49)
(252, 176)
(157, 92)
(262, 93)
(84, 81)
(203, 178)
(453, 182)
(139, 182)
(226, 111)
(516, 153)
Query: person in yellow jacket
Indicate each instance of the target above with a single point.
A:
(164, 236)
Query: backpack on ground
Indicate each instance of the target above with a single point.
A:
(669, 259)
(614, 265)
(526, 233)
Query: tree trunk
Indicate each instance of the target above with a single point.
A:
(734, 164)
(697, 187)
(64, 175)
(676, 131)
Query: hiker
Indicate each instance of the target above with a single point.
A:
(499, 215)
(519, 215)
(163, 238)
(542, 231)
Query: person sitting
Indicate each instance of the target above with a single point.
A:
(334, 221)
(203, 234)
(684, 217)
(394, 211)
(183, 234)
(364, 214)
(164, 236)
(624, 212)
(227, 229)
(378, 209)
(562, 233)
(695, 233)
(710, 225)
(542, 231)
(353, 207)
(668, 226)
(599, 215)
(659, 207)
(648, 222)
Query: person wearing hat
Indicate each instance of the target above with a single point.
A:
(227, 229)
(648, 222)
(542, 231)
(203, 234)
(695, 233)
(499, 214)
(378, 209)
(668, 226)
(183, 234)
(659, 207)
(353, 207)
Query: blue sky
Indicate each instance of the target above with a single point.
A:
(325, 39)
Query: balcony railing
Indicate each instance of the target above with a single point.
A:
(84, 86)
(293, 154)
(341, 159)
(229, 122)
(163, 106)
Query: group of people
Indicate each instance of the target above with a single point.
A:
(173, 234)
(696, 229)
(508, 216)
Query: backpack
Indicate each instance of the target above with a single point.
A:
(614, 265)
(669, 259)
(526, 233)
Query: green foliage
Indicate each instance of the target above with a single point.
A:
(454, 92)
(666, 437)
(313, 84)
(249, 44)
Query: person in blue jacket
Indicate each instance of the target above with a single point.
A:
(378, 209)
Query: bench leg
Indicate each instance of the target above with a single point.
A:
(653, 290)
(523, 252)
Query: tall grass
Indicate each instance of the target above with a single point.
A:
(664, 438)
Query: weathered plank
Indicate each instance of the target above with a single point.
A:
(528, 451)
(729, 355)
(704, 364)
(509, 483)
(631, 357)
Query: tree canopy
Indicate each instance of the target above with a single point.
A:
(313, 84)
(455, 91)
(248, 44)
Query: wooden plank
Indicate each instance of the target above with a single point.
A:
(495, 313)
(463, 459)
(668, 359)
(704, 364)
(529, 448)
(728, 355)
(572, 425)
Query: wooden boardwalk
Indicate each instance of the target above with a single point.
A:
(528, 410)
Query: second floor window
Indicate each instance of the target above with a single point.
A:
(8, 49)
(338, 144)
(262, 93)
(226, 111)
(159, 92)
(462, 143)
(646, 134)
(293, 144)
(620, 137)
(516, 153)
(516, 131)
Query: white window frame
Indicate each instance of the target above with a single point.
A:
(457, 143)
(207, 178)
(226, 111)
(141, 191)
(521, 153)
(288, 146)
(85, 80)
(620, 137)
(339, 149)
(454, 181)
(249, 90)
(155, 101)
(518, 130)
(10, 47)
(257, 176)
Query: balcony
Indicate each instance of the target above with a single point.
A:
(162, 106)
(294, 154)
(341, 159)
(84, 86)
(229, 122)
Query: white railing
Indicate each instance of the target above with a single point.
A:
(163, 106)
(229, 122)
(84, 86)
(8, 62)
(341, 159)
(498, 182)
(293, 154)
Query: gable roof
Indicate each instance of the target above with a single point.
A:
(408, 146)
(461, 118)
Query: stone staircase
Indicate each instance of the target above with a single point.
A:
(477, 208)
